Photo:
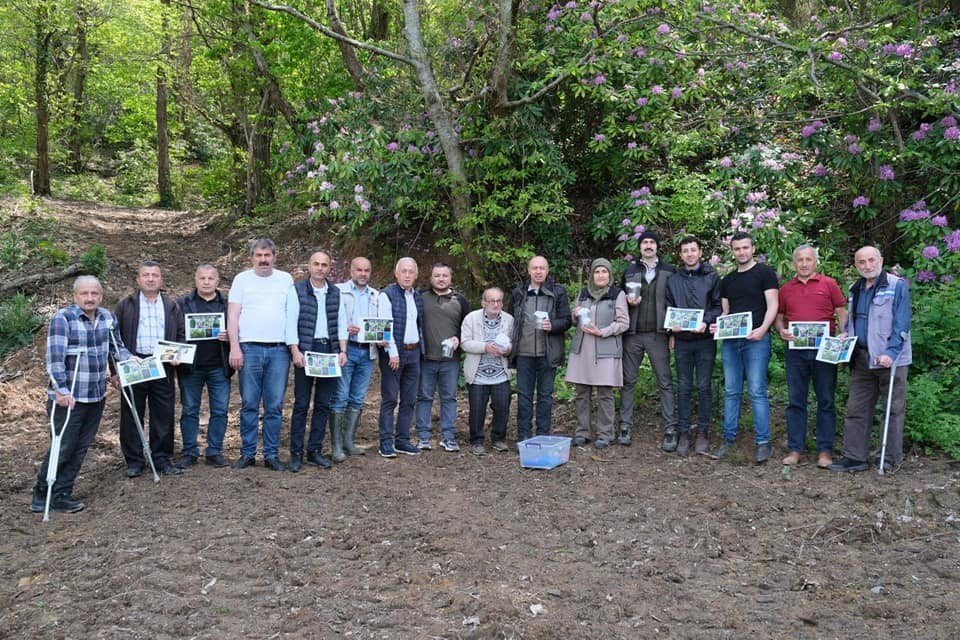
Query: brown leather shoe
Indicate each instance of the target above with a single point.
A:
(792, 458)
(824, 460)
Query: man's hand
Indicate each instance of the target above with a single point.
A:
(297, 358)
(353, 329)
(115, 381)
(236, 358)
(885, 361)
(342, 359)
(547, 325)
(757, 334)
(395, 362)
(64, 399)
(786, 335)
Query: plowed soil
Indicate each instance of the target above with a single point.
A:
(624, 543)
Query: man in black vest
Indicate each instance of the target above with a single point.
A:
(210, 368)
(400, 359)
(314, 319)
(145, 317)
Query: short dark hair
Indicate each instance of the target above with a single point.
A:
(441, 265)
(690, 240)
(263, 243)
(147, 263)
(743, 235)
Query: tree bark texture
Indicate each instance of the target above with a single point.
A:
(42, 38)
(164, 181)
(349, 54)
(447, 132)
(82, 63)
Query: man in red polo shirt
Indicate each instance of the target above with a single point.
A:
(809, 297)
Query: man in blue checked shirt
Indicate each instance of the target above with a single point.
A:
(82, 327)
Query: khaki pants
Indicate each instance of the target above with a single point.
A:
(605, 411)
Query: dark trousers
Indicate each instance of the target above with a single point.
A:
(323, 391)
(159, 397)
(398, 387)
(801, 366)
(498, 396)
(76, 438)
(866, 387)
(534, 375)
(694, 360)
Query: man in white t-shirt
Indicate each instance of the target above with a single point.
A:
(258, 350)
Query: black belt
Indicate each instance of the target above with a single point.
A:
(322, 340)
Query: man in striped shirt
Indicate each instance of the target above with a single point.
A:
(81, 330)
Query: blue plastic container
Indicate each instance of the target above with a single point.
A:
(544, 452)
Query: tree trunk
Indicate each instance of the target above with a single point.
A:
(82, 58)
(259, 136)
(500, 75)
(350, 59)
(164, 181)
(380, 21)
(42, 36)
(449, 138)
(798, 12)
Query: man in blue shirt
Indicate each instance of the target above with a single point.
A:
(82, 331)
(879, 316)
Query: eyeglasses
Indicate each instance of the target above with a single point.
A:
(497, 301)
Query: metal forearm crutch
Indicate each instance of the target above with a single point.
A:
(886, 419)
(53, 460)
(127, 394)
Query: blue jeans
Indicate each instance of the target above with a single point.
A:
(802, 366)
(746, 358)
(218, 395)
(442, 376)
(398, 387)
(262, 377)
(694, 360)
(322, 390)
(355, 378)
(534, 374)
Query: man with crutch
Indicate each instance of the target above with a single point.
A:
(77, 347)
(879, 316)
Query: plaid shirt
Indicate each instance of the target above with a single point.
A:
(71, 330)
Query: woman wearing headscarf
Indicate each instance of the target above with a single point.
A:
(600, 316)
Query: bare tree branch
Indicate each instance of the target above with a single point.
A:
(350, 59)
(333, 34)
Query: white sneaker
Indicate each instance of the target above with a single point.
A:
(424, 445)
(450, 445)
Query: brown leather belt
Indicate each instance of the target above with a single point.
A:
(411, 347)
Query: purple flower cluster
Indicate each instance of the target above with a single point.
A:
(925, 275)
(726, 162)
(819, 171)
(952, 241)
(756, 196)
(951, 133)
(916, 211)
(834, 56)
(875, 125)
(930, 252)
(812, 128)
(921, 133)
(904, 50)
(886, 172)
(939, 221)
(860, 202)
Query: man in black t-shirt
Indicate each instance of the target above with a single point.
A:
(752, 288)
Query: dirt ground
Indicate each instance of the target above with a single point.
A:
(627, 543)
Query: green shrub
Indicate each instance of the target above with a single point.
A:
(94, 261)
(18, 321)
(927, 423)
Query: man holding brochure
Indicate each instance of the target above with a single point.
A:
(696, 285)
(146, 317)
(751, 289)
(211, 368)
(315, 322)
(814, 298)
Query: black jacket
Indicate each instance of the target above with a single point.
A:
(697, 289)
(635, 272)
(128, 317)
(560, 319)
(189, 304)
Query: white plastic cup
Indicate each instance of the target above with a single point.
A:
(584, 315)
(541, 316)
(447, 348)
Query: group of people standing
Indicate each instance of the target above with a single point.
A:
(272, 322)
